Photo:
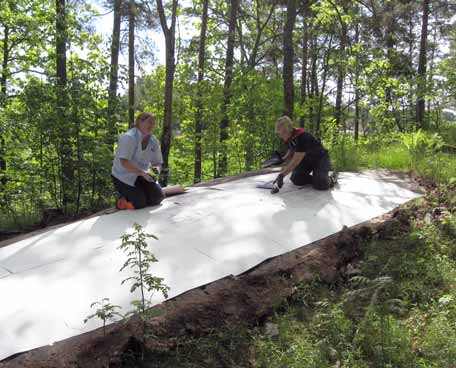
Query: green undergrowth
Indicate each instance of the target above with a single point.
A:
(420, 153)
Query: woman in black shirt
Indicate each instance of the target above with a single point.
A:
(308, 161)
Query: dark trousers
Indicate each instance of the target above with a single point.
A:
(143, 194)
(319, 168)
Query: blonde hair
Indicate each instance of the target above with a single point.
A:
(284, 122)
(143, 117)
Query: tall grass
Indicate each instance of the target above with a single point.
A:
(419, 153)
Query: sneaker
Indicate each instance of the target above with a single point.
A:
(123, 204)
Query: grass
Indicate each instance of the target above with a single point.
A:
(14, 221)
(422, 158)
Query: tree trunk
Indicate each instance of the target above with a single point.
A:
(5, 60)
(430, 63)
(340, 74)
(411, 42)
(169, 33)
(421, 79)
(113, 75)
(343, 40)
(313, 83)
(249, 83)
(199, 102)
(390, 35)
(314, 75)
(252, 59)
(305, 56)
(62, 107)
(288, 56)
(61, 44)
(79, 164)
(3, 96)
(357, 86)
(131, 63)
(249, 146)
(322, 91)
(223, 161)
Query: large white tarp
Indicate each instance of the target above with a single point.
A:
(48, 281)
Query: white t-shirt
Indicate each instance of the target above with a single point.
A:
(130, 148)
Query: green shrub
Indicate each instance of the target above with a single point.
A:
(438, 343)
(293, 348)
(385, 342)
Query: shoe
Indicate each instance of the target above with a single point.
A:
(123, 204)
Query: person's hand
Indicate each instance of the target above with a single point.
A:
(148, 177)
(277, 184)
(279, 181)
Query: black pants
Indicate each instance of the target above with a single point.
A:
(319, 167)
(143, 194)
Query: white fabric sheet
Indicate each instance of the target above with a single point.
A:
(48, 281)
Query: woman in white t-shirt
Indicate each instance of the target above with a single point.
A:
(138, 150)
